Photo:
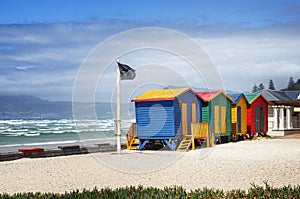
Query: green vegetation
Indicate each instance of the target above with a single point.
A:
(258, 88)
(271, 85)
(255, 89)
(259, 137)
(168, 192)
(292, 85)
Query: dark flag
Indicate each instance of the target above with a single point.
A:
(126, 72)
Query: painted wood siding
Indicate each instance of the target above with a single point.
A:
(155, 119)
(250, 125)
(228, 117)
(234, 113)
(188, 99)
(205, 112)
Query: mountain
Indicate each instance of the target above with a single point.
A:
(30, 107)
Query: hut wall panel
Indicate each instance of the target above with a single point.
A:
(188, 99)
(155, 119)
(224, 119)
(243, 104)
(234, 114)
(205, 112)
(228, 116)
(211, 115)
(216, 119)
(250, 125)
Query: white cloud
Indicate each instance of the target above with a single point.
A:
(245, 59)
(24, 67)
(44, 58)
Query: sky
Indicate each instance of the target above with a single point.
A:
(45, 44)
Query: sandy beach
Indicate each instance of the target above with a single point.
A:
(226, 166)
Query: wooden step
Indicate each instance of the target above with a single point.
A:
(185, 143)
(134, 144)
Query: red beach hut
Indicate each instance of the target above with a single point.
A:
(257, 114)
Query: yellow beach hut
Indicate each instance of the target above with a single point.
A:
(239, 116)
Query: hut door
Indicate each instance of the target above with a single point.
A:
(194, 111)
(257, 119)
(239, 119)
(223, 119)
(216, 119)
(184, 119)
(262, 119)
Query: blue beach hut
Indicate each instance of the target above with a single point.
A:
(166, 115)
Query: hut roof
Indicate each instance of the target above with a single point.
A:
(280, 95)
(160, 95)
(208, 96)
(252, 97)
(236, 97)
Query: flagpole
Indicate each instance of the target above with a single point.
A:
(118, 121)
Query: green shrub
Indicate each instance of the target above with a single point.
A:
(131, 192)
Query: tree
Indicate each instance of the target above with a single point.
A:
(254, 89)
(291, 84)
(297, 85)
(261, 87)
(271, 85)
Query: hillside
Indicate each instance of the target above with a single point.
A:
(29, 107)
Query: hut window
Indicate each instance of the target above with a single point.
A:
(179, 103)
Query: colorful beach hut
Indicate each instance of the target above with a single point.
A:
(257, 114)
(239, 116)
(166, 115)
(216, 110)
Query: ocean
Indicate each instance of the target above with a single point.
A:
(21, 132)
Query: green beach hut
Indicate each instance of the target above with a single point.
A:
(216, 110)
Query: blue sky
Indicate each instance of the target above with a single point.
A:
(43, 43)
(239, 13)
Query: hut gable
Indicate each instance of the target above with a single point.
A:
(209, 96)
(251, 98)
(236, 97)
